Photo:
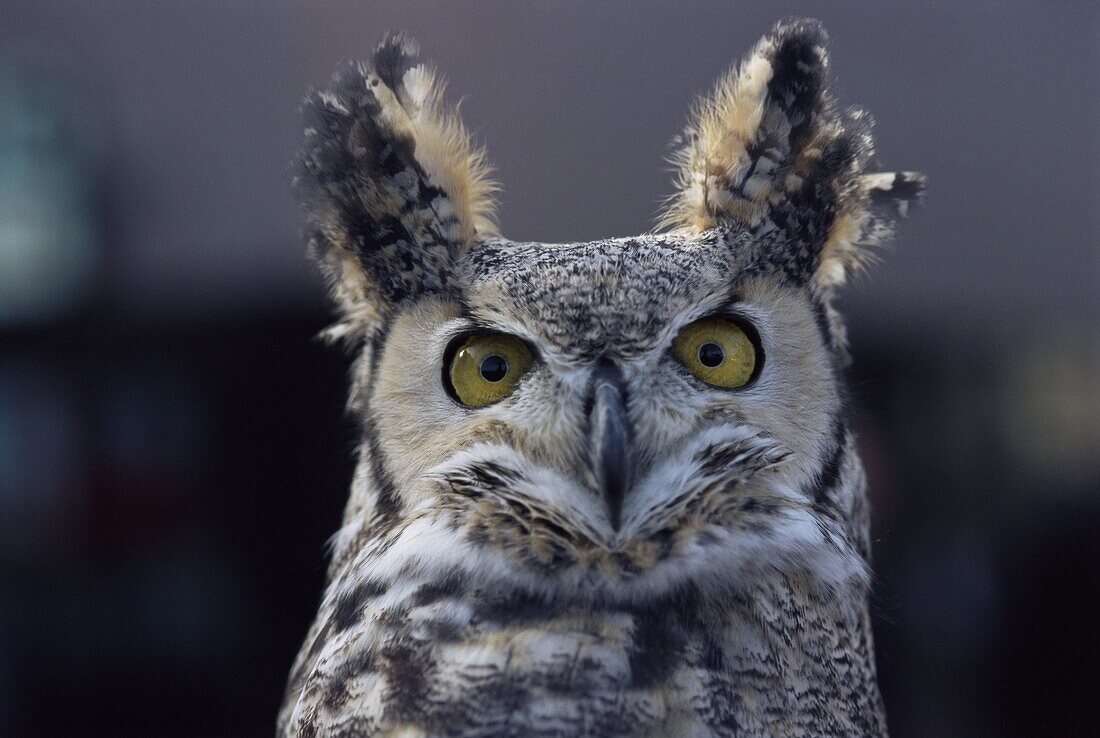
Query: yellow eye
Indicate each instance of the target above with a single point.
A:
(717, 351)
(486, 367)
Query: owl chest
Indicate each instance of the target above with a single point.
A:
(509, 667)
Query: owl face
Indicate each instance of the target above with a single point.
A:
(603, 451)
(611, 419)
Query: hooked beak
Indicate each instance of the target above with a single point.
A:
(610, 448)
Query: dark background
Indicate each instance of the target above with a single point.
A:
(172, 450)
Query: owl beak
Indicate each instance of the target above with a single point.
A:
(610, 438)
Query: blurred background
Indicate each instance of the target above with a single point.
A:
(173, 453)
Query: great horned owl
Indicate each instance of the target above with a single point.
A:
(604, 488)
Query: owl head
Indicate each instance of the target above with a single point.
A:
(615, 418)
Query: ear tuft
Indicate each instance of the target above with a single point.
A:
(868, 220)
(753, 132)
(894, 192)
(392, 184)
(768, 152)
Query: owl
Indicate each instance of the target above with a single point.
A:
(604, 488)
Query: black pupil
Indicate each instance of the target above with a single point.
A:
(493, 368)
(711, 354)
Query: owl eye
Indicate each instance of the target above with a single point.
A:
(719, 351)
(485, 367)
